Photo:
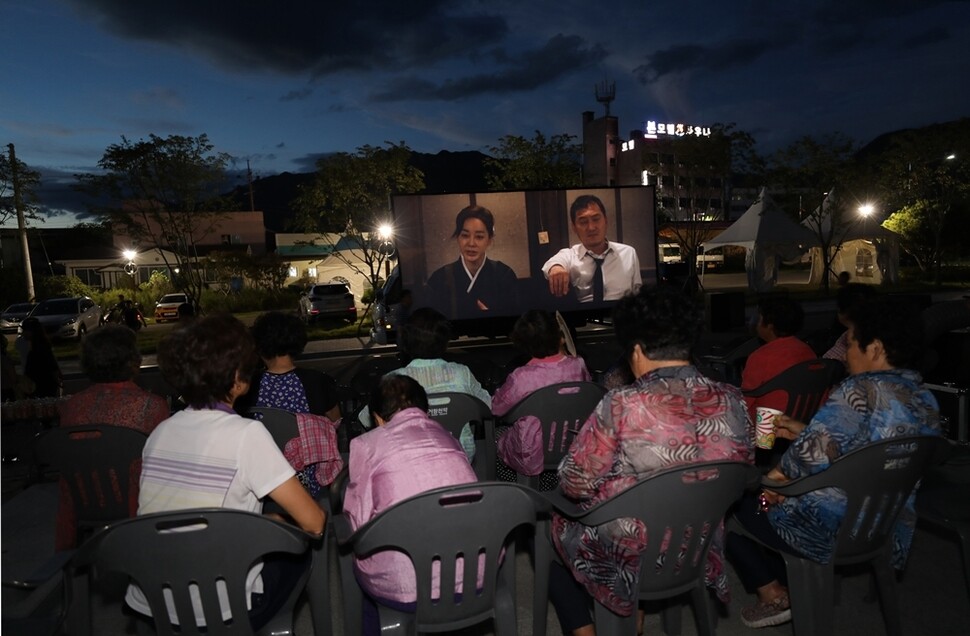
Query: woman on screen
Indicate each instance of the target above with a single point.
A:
(473, 286)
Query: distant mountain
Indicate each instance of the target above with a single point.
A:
(445, 171)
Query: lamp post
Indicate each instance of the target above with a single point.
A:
(130, 268)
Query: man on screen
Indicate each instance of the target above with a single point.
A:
(596, 268)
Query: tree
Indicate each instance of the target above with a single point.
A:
(164, 194)
(819, 173)
(28, 182)
(916, 233)
(927, 171)
(351, 197)
(522, 164)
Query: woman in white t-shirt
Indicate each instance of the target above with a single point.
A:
(208, 456)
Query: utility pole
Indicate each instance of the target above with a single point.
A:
(18, 204)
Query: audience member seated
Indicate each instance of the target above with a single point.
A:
(40, 365)
(405, 454)
(883, 397)
(311, 394)
(849, 296)
(671, 415)
(208, 456)
(779, 319)
(538, 334)
(110, 359)
(424, 341)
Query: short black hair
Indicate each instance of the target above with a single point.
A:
(395, 393)
(852, 294)
(279, 334)
(897, 324)
(110, 354)
(474, 212)
(665, 321)
(425, 334)
(783, 314)
(537, 333)
(201, 358)
(582, 202)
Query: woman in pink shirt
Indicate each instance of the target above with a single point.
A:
(407, 453)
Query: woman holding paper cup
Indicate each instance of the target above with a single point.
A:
(883, 397)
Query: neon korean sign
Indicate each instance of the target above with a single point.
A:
(653, 129)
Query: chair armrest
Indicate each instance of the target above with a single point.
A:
(798, 486)
(562, 504)
(342, 529)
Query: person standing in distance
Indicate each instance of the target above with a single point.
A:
(598, 269)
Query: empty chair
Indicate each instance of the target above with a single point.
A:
(877, 480)
(194, 565)
(561, 410)
(100, 465)
(685, 503)
(456, 410)
(435, 529)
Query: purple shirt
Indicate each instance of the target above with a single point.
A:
(409, 455)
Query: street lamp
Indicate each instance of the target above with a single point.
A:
(130, 256)
(867, 209)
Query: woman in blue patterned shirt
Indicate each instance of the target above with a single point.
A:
(883, 397)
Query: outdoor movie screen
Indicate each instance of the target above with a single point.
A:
(499, 254)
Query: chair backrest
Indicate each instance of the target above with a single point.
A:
(877, 480)
(435, 529)
(682, 508)
(370, 372)
(807, 384)
(280, 423)
(169, 553)
(454, 410)
(562, 409)
(98, 464)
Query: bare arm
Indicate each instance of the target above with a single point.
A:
(298, 504)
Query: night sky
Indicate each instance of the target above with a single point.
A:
(282, 83)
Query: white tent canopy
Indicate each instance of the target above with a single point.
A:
(769, 235)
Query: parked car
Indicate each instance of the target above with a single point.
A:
(329, 300)
(65, 318)
(12, 315)
(167, 307)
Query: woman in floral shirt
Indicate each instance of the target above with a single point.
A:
(671, 415)
(882, 398)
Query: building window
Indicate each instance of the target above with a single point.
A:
(311, 272)
(292, 272)
(863, 264)
(226, 239)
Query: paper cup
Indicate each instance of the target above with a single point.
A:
(764, 426)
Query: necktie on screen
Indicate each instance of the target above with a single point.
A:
(598, 280)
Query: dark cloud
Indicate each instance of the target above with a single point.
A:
(561, 55)
(300, 37)
(717, 57)
(297, 95)
(926, 38)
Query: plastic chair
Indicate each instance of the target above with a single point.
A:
(877, 481)
(454, 410)
(437, 527)
(280, 423)
(96, 462)
(562, 409)
(672, 500)
(806, 384)
(172, 552)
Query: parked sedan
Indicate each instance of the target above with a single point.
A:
(167, 307)
(64, 318)
(12, 315)
(330, 300)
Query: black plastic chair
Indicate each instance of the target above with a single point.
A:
(172, 552)
(454, 410)
(805, 384)
(688, 501)
(280, 423)
(437, 527)
(562, 409)
(877, 481)
(96, 462)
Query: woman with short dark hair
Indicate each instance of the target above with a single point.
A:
(883, 397)
(671, 415)
(208, 456)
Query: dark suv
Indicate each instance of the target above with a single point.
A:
(329, 300)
